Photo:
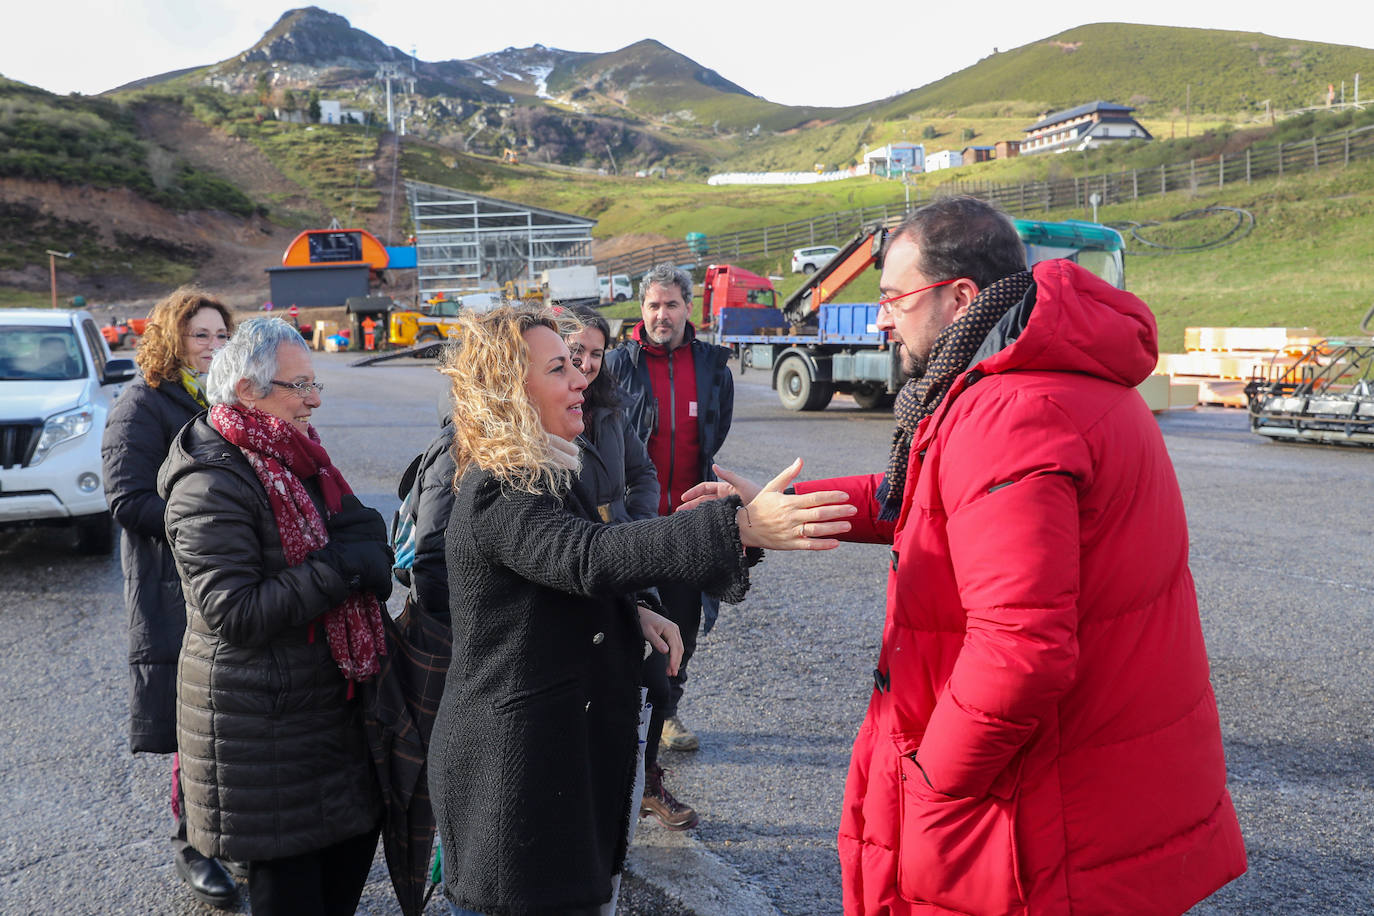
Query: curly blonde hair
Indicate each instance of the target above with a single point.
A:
(495, 425)
(162, 352)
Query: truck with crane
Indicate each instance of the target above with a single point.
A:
(815, 347)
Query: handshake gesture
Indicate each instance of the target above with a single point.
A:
(773, 519)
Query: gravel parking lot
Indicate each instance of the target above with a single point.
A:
(1281, 551)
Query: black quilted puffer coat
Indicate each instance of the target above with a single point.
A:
(532, 758)
(274, 760)
(140, 430)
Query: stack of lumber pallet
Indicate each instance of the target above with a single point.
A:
(1220, 361)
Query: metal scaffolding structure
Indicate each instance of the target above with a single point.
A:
(466, 242)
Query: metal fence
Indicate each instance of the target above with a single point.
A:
(768, 241)
(1261, 161)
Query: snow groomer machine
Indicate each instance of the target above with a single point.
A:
(1325, 395)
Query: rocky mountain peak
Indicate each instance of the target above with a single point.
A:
(311, 35)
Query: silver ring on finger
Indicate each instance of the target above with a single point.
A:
(804, 534)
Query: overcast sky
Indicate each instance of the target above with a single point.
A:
(797, 53)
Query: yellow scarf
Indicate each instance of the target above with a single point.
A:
(191, 383)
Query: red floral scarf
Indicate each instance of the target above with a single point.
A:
(282, 457)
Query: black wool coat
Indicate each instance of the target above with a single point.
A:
(532, 758)
(433, 503)
(274, 759)
(138, 434)
(616, 468)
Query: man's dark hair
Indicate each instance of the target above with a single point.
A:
(964, 237)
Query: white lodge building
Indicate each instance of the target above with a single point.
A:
(1085, 127)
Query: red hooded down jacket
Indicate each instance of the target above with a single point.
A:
(1042, 736)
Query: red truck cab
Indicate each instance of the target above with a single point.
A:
(727, 286)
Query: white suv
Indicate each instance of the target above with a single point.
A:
(57, 382)
(809, 260)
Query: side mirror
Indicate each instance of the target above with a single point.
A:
(117, 371)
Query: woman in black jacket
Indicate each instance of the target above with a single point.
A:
(532, 758)
(184, 332)
(283, 571)
(616, 466)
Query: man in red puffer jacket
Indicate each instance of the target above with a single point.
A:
(1042, 737)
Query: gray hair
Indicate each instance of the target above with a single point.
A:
(667, 275)
(251, 354)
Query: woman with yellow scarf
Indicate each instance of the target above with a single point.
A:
(184, 332)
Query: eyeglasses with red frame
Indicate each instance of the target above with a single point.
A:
(887, 303)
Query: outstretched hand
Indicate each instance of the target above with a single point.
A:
(729, 484)
(775, 520)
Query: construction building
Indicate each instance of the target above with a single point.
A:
(468, 243)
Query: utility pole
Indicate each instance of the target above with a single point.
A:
(615, 168)
(52, 270)
(388, 72)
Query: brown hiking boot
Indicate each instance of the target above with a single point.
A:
(659, 802)
(677, 737)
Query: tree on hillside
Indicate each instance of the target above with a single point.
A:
(313, 110)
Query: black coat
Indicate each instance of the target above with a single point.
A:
(715, 393)
(433, 503)
(616, 470)
(532, 759)
(274, 759)
(138, 433)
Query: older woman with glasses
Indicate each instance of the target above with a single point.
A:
(184, 332)
(283, 571)
(534, 752)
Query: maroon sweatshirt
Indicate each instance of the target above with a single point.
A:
(674, 445)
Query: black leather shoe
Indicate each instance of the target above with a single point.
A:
(238, 869)
(206, 878)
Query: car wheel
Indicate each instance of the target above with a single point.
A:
(620, 297)
(95, 534)
(808, 268)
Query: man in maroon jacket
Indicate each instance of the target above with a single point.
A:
(682, 398)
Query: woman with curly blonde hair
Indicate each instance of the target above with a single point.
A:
(184, 332)
(534, 763)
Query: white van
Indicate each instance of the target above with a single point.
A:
(616, 288)
(57, 383)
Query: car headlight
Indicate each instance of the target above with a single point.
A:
(60, 428)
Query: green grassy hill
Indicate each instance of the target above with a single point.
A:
(110, 143)
(1157, 69)
(1302, 266)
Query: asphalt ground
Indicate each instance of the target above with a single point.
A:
(1281, 551)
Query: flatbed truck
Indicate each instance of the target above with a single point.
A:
(814, 347)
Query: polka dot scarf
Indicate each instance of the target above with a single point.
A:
(949, 357)
(282, 457)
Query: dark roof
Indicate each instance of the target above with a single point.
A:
(1071, 113)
